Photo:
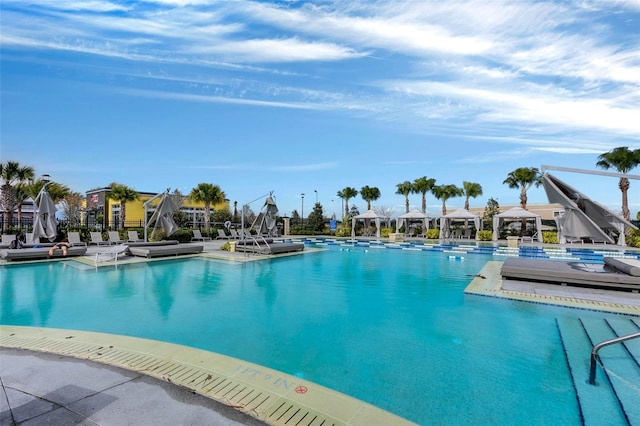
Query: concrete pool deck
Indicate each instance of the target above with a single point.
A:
(51, 376)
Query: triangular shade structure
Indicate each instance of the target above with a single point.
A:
(369, 214)
(44, 223)
(413, 215)
(458, 215)
(583, 217)
(162, 218)
(516, 213)
(265, 223)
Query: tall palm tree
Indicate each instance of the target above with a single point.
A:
(405, 189)
(423, 185)
(346, 194)
(369, 194)
(623, 160)
(12, 173)
(208, 194)
(470, 190)
(444, 192)
(523, 178)
(122, 194)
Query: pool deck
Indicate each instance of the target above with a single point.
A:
(51, 376)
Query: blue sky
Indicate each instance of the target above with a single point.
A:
(297, 97)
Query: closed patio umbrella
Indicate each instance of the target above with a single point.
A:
(162, 218)
(44, 223)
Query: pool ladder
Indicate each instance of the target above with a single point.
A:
(596, 348)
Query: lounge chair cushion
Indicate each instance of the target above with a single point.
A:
(628, 266)
(40, 253)
(571, 273)
(166, 250)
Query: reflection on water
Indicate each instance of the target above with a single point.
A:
(391, 328)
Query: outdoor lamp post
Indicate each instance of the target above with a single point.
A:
(302, 211)
(316, 191)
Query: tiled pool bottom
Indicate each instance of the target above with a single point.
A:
(460, 249)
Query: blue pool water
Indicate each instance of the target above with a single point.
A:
(390, 327)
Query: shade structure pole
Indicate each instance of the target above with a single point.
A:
(146, 208)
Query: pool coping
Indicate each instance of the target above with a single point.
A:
(271, 396)
(489, 282)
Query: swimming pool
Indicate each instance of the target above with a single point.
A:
(390, 327)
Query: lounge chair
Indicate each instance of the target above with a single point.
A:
(134, 237)
(222, 235)
(197, 236)
(74, 239)
(234, 234)
(29, 239)
(611, 275)
(167, 250)
(467, 234)
(6, 239)
(114, 238)
(111, 252)
(39, 253)
(96, 238)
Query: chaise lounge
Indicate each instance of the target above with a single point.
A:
(615, 274)
(40, 253)
(150, 251)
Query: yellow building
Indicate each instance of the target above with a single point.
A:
(100, 209)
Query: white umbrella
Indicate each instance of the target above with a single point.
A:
(44, 223)
(162, 218)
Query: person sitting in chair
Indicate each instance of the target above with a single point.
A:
(62, 245)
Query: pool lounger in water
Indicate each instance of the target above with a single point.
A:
(611, 275)
(40, 253)
(165, 250)
(267, 246)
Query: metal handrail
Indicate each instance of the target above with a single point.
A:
(596, 348)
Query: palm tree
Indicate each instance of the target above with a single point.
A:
(623, 160)
(31, 189)
(12, 173)
(346, 194)
(208, 194)
(523, 178)
(405, 189)
(470, 190)
(423, 185)
(444, 192)
(369, 194)
(122, 194)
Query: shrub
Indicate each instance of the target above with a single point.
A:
(433, 234)
(226, 246)
(550, 237)
(485, 235)
(343, 232)
(384, 232)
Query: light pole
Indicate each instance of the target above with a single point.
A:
(302, 214)
(316, 191)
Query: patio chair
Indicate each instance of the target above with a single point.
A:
(114, 237)
(234, 234)
(29, 238)
(96, 238)
(134, 237)
(74, 239)
(6, 239)
(197, 236)
(222, 235)
(467, 234)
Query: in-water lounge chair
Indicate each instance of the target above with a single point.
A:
(615, 274)
(150, 251)
(39, 253)
(111, 252)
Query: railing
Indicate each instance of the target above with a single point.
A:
(596, 348)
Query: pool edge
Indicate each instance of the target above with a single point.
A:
(269, 395)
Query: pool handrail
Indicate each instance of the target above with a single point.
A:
(596, 348)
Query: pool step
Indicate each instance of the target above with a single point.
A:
(615, 398)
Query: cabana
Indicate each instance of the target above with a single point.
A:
(369, 214)
(413, 215)
(458, 215)
(516, 214)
